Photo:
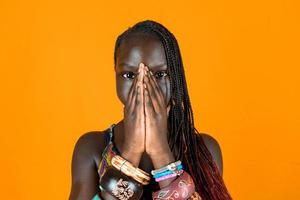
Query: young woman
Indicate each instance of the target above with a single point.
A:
(155, 152)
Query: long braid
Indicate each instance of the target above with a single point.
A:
(184, 139)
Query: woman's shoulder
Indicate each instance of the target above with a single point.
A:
(91, 144)
(214, 148)
(86, 153)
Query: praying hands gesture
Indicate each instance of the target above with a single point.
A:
(145, 122)
(156, 117)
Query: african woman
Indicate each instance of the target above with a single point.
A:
(154, 152)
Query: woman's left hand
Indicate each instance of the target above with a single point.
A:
(156, 117)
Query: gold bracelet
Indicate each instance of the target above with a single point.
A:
(127, 168)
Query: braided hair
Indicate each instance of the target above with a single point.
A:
(184, 139)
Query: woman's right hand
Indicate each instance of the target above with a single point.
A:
(134, 121)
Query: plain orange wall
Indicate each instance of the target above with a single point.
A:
(57, 82)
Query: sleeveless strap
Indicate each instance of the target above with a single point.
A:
(108, 152)
(108, 140)
(109, 134)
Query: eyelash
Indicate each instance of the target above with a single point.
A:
(127, 73)
(156, 74)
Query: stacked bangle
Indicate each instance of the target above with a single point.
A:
(169, 171)
(128, 169)
(166, 172)
(171, 167)
(165, 177)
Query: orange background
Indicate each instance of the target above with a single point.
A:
(57, 82)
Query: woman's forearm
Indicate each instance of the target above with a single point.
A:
(162, 159)
(132, 157)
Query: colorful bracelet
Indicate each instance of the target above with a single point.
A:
(179, 167)
(174, 174)
(181, 188)
(170, 167)
(128, 169)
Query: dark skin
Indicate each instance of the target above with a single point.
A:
(144, 89)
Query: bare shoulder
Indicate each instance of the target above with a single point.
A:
(90, 144)
(214, 148)
(86, 155)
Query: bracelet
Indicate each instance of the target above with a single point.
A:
(174, 174)
(128, 169)
(170, 167)
(120, 186)
(181, 188)
(179, 167)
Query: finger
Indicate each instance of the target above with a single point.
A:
(158, 90)
(138, 100)
(149, 109)
(141, 72)
(154, 96)
(132, 99)
(153, 99)
(131, 92)
(155, 85)
(139, 96)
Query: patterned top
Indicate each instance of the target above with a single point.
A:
(110, 151)
(107, 154)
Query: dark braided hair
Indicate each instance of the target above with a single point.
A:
(184, 139)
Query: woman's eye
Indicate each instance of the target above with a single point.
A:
(128, 75)
(160, 74)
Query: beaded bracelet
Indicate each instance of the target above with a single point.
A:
(179, 167)
(128, 169)
(170, 167)
(165, 177)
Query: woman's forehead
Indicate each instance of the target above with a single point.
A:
(147, 50)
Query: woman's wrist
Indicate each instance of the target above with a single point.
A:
(161, 156)
(161, 159)
(132, 156)
(158, 146)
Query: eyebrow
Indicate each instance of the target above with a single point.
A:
(126, 65)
